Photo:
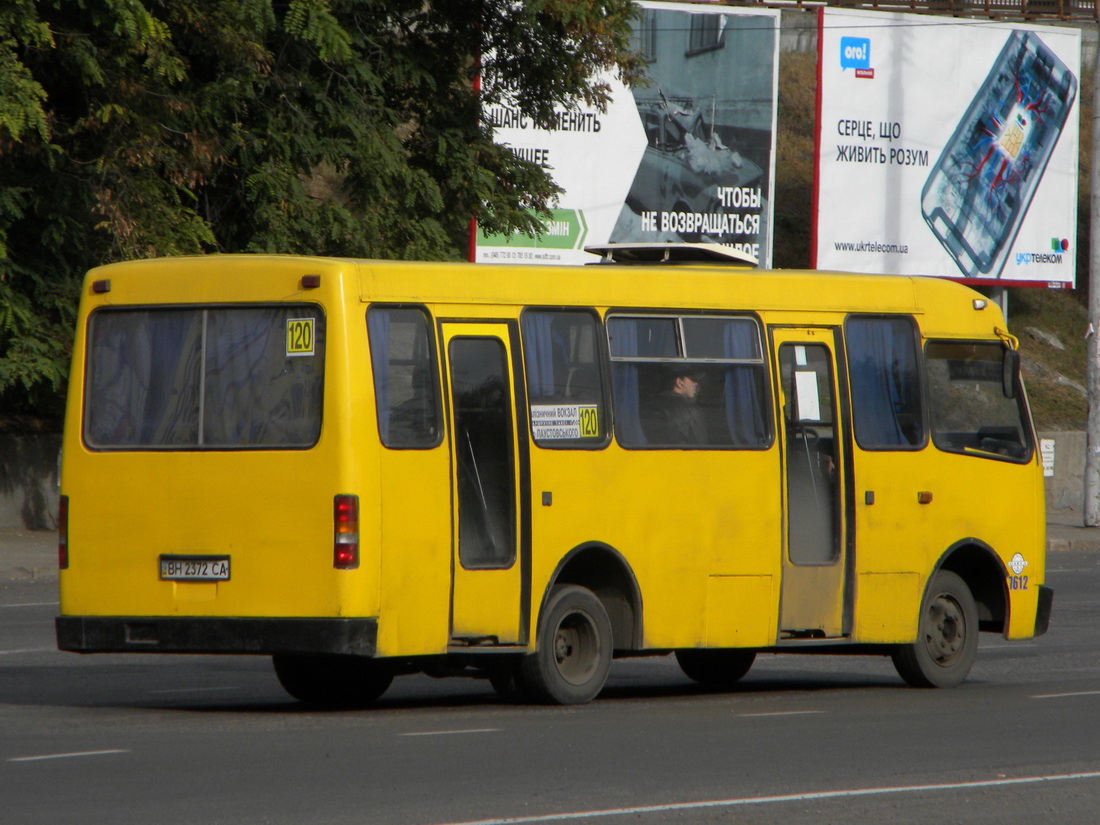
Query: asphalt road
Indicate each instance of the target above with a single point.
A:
(148, 739)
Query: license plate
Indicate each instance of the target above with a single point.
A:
(194, 568)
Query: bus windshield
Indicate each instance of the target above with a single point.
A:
(970, 412)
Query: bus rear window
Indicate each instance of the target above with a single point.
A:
(970, 412)
(192, 378)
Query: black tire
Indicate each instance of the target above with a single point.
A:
(715, 668)
(506, 681)
(332, 681)
(947, 644)
(574, 647)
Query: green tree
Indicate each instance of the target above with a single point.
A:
(133, 128)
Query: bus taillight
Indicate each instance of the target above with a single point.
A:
(346, 532)
(63, 533)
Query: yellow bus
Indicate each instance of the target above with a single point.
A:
(371, 468)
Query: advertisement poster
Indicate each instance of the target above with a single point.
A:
(947, 148)
(689, 156)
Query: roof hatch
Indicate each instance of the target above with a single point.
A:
(671, 253)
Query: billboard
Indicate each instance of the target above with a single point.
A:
(947, 148)
(687, 157)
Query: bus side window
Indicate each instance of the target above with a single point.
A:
(886, 387)
(970, 412)
(565, 384)
(691, 381)
(405, 377)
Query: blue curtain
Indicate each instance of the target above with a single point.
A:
(378, 328)
(143, 378)
(256, 394)
(744, 401)
(625, 385)
(538, 349)
(882, 363)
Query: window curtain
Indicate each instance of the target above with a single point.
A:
(378, 329)
(883, 369)
(255, 393)
(626, 386)
(539, 348)
(744, 401)
(143, 378)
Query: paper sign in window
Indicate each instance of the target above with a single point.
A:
(550, 421)
(805, 390)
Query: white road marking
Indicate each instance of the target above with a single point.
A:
(32, 604)
(28, 650)
(44, 757)
(194, 690)
(1066, 695)
(769, 800)
(451, 732)
(784, 713)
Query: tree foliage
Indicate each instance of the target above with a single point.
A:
(134, 128)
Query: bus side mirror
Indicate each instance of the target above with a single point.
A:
(1010, 368)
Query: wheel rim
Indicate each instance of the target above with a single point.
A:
(945, 632)
(576, 647)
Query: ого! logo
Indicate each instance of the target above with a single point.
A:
(855, 53)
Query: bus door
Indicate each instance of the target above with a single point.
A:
(487, 516)
(812, 596)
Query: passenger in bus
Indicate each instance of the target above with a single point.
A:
(674, 417)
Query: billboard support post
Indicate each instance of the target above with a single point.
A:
(1092, 454)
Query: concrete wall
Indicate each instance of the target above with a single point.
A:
(29, 481)
(1066, 488)
(29, 478)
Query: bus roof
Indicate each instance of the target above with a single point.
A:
(252, 277)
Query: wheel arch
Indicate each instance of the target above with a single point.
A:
(603, 570)
(976, 563)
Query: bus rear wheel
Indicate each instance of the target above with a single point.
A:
(715, 668)
(947, 643)
(574, 647)
(332, 681)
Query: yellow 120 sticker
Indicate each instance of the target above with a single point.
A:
(299, 336)
(589, 419)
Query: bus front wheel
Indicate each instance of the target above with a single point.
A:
(332, 681)
(947, 642)
(574, 646)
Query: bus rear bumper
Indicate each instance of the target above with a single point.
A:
(242, 635)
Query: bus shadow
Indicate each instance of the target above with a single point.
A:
(247, 685)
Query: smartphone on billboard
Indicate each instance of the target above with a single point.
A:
(979, 191)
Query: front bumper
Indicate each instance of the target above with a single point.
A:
(1042, 610)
